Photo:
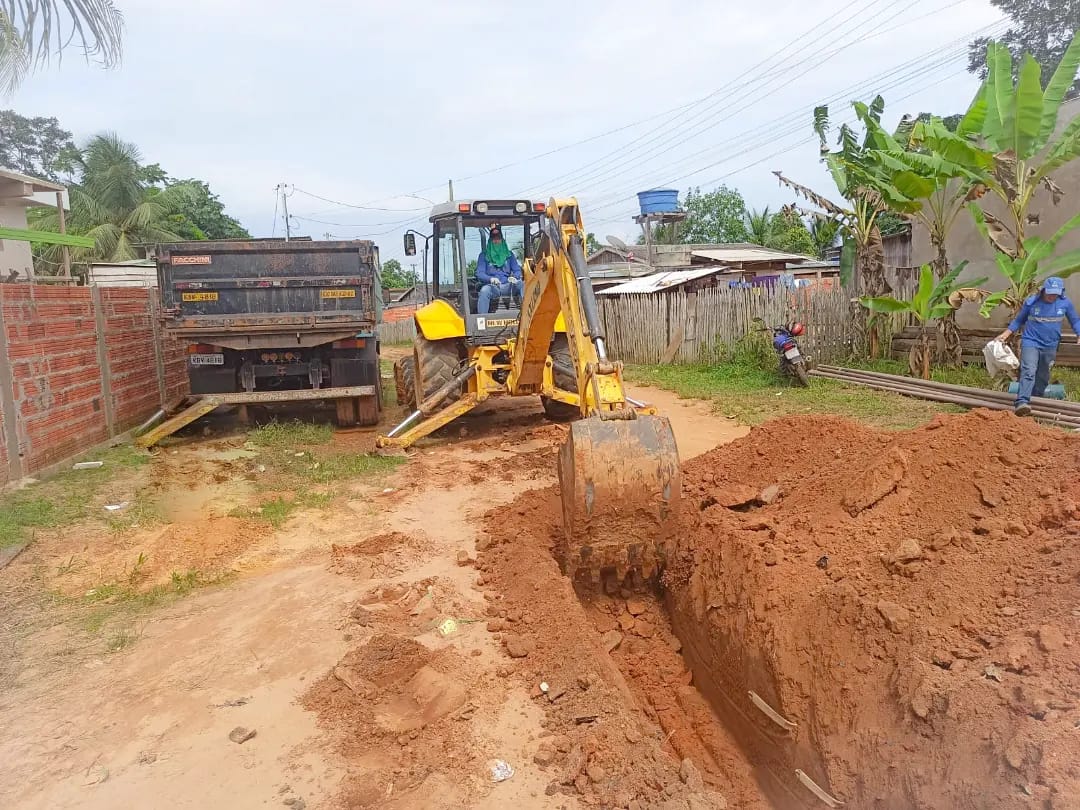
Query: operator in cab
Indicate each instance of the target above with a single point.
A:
(498, 268)
(1040, 318)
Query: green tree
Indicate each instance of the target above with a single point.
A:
(592, 244)
(35, 146)
(113, 204)
(759, 226)
(394, 275)
(790, 234)
(931, 301)
(1042, 28)
(32, 32)
(869, 194)
(715, 217)
(204, 216)
(824, 233)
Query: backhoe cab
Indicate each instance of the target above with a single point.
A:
(459, 236)
(452, 334)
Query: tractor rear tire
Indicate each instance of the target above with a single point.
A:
(564, 379)
(405, 383)
(435, 362)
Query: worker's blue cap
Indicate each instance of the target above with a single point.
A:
(1054, 286)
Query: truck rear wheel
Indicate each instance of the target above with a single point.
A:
(565, 379)
(435, 362)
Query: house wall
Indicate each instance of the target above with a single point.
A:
(14, 255)
(77, 366)
(965, 241)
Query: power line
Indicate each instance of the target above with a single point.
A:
(632, 161)
(718, 97)
(770, 128)
(361, 207)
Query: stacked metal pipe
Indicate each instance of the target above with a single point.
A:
(1054, 411)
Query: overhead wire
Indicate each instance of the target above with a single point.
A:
(632, 161)
(785, 125)
(719, 97)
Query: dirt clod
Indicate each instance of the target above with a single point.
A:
(241, 735)
(1050, 638)
(519, 646)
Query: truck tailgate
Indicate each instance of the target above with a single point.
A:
(265, 285)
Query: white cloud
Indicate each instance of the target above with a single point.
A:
(369, 100)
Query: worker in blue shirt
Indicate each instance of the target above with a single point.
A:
(498, 268)
(1040, 318)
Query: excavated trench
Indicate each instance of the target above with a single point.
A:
(860, 618)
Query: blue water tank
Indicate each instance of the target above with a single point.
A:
(659, 200)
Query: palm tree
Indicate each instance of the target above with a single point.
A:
(759, 226)
(32, 31)
(824, 232)
(116, 205)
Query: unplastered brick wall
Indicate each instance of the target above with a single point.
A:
(77, 366)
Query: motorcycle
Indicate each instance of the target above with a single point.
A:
(792, 360)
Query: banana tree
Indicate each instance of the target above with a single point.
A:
(932, 300)
(941, 171)
(868, 193)
(1026, 272)
(1016, 123)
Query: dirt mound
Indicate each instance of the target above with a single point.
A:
(890, 618)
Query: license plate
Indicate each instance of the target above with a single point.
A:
(792, 354)
(337, 293)
(208, 359)
(199, 296)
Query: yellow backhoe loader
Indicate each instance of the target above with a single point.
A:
(619, 466)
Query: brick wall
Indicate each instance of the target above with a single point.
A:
(81, 366)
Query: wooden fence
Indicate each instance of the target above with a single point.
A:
(399, 331)
(695, 327)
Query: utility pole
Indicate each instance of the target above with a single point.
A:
(413, 266)
(450, 183)
(285, 208)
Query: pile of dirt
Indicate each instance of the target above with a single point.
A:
(890, 619)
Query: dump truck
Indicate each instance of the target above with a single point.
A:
(273, 321)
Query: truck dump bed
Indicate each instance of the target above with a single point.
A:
(312, 291)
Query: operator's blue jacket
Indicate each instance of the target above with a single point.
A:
(486, 272)
(1042, 321)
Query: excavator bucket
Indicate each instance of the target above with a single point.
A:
(620, 488)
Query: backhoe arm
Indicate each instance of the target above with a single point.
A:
(560, 282)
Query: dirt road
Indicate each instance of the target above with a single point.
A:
(328, 637)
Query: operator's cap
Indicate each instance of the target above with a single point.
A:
(1054, 286)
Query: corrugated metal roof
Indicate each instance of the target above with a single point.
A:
(742, 253)
(660, 281)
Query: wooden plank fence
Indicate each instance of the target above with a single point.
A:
(400, 331)
(696, 327)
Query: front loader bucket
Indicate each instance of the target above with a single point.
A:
(620, 487)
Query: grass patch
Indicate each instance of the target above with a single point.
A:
(121, 600)
(290, 435)
(278, 510)
(752, 393)
(65, 498)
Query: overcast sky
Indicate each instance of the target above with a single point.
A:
(365, 102)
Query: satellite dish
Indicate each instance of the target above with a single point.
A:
(617, 243)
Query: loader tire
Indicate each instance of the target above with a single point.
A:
(405, 383)
(435, 362)
(564, 378)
